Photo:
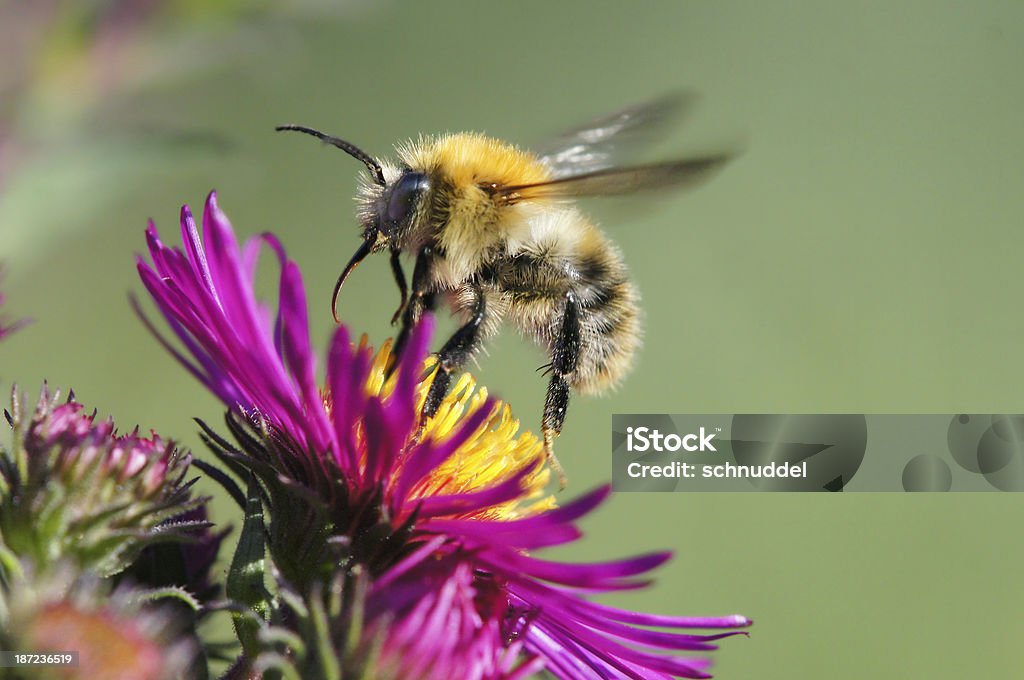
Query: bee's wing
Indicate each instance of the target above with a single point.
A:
(610, 140)
(617, 181)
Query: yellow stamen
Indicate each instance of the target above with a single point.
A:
(491, 454)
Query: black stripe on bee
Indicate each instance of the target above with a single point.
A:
(592, 268)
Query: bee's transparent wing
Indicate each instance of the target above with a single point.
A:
(610, 140)
(616, 181)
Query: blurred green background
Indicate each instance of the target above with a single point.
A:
(862, 255)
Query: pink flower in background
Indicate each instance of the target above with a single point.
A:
(74, 490)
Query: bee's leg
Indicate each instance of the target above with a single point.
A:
(455, 353)
(396, 271)
(564, 355)
(422, 299)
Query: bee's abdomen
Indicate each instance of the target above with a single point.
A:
(610, 318)
(566, 255)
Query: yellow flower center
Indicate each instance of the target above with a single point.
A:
(491, 454)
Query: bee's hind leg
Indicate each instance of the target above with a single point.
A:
(459, 348)
(564, 356)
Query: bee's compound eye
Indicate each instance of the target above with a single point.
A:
(403, 197)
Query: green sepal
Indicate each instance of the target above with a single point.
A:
(245, 581)
(175, 593)
(330, 666)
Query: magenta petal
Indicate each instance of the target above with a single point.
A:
(411, 361)
(598, 574)
(298, 352)
(494, 531)
(553, 527)
(194, 249)
(339, 367)
(639, 618)
(426, 457)
(507, 490)
(383, 440)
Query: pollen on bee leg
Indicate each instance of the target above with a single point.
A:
(549, 453)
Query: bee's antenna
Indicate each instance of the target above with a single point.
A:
(347, 147)
(360, 255)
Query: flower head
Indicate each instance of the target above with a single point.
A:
(116, 636)
(72, 488)
(354, 444)
(436, 520)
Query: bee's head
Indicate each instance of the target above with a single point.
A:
(389, 211)
(389, 205)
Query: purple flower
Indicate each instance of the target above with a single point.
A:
(73, 489)
(443, 515)
(117, 632)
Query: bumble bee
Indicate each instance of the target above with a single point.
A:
(495, 232)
